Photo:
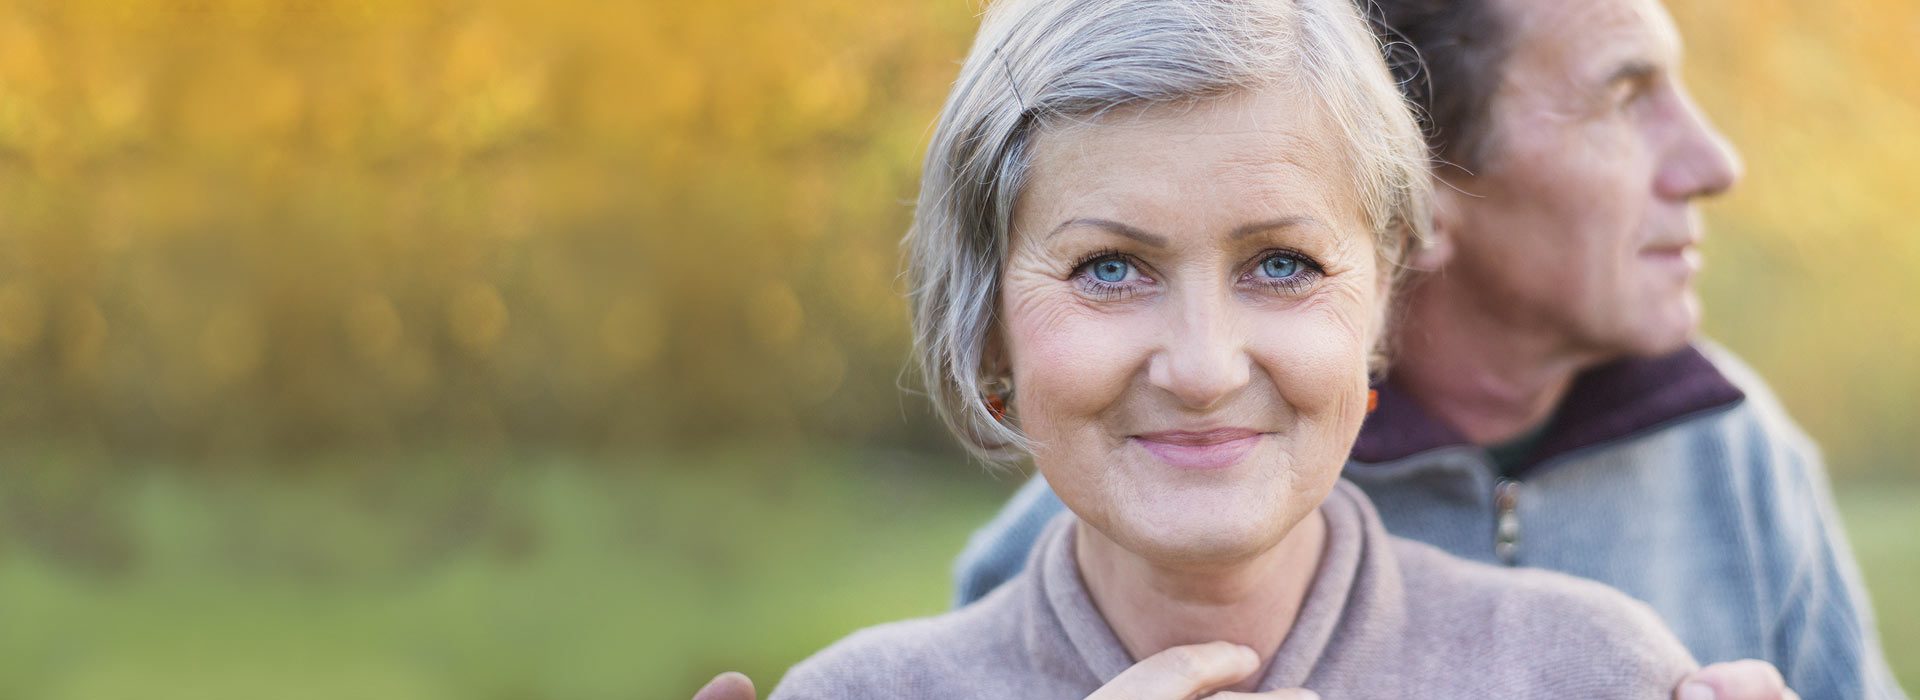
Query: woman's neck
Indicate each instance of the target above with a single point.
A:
(1253, 602)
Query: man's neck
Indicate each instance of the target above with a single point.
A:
(1152, 608)
(1489, 377)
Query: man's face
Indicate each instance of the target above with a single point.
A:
(1579, 226)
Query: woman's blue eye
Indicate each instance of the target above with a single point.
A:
(1280, 267)
(1110, 270)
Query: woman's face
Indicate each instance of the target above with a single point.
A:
(1187, 308)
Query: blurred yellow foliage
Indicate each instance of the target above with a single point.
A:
(1813, 258)
(302, 224)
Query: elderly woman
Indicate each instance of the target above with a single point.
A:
(1153, 250)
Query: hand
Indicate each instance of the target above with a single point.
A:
(1192, 671)
(727, 686)
(1747, 679)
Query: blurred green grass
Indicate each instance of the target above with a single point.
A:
(530, 577)
(1882, 520)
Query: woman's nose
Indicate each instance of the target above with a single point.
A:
(1203, 358)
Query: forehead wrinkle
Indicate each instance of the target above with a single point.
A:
(1277, 149)
(1294, 150)
(1293, 160)
(1576, 45)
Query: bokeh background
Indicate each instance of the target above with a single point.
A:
(516, 349)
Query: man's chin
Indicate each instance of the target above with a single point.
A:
(1670, 327)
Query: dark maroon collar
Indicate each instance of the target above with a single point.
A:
(1606, 403)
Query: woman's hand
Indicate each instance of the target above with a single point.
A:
(1747, 679)
(1179, 673)
(1192, 671)
(727, 686)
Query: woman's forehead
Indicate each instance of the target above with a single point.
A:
(1257, 154)
(1275, 111)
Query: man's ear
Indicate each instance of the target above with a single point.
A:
(1446, 220)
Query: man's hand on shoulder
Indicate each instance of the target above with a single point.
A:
(727, 686)
(1747, 679)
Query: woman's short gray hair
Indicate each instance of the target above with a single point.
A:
(1036, 63)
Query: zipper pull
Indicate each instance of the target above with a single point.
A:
(1506, 530)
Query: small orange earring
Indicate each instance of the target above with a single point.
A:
(996, 391)
(1373, 399)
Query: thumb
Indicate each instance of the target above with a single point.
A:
(1747, 679)
(727, 686)
(1282, 694)
(1181, 672)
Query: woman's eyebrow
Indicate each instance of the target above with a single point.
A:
(1159, 241)
(1293, 221)
(1155, 240)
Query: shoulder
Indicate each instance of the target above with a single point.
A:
(1738, 372)
(1753, 459)
(1517, 599)
(998, 550)
(925, 657)
(1771, 466)
(869, 663)
(1760, 412)
(1573, 636)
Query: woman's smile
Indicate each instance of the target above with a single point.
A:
(1217, 448)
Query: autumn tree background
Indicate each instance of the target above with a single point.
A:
(429, 348)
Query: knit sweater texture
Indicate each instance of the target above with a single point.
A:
(1384, 618)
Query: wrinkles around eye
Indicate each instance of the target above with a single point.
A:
(1091, 274)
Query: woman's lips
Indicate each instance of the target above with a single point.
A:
(1208, 449)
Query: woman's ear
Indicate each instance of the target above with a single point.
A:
(1446, 219)
(993, 353)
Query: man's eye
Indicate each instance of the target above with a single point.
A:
(1626, 97)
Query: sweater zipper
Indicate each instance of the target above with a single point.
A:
(1506, 524)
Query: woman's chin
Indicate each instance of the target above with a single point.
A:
(1192, 517)
(1207, 533)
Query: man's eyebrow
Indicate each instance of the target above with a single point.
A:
(1155, 240)
(1634, 70)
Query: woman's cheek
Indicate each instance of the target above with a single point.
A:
(1316, 356)
(1070, 360)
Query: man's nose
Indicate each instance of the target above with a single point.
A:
(1204, 357)
(1700, 162)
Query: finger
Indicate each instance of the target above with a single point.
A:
(1182, 672)
(727, 686)
(1283, 694)
(1747, 679)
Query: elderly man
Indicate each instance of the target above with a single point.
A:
(1546, 407)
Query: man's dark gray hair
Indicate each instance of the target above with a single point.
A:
(1463, 44)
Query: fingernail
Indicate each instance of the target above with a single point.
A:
(1696, 691)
